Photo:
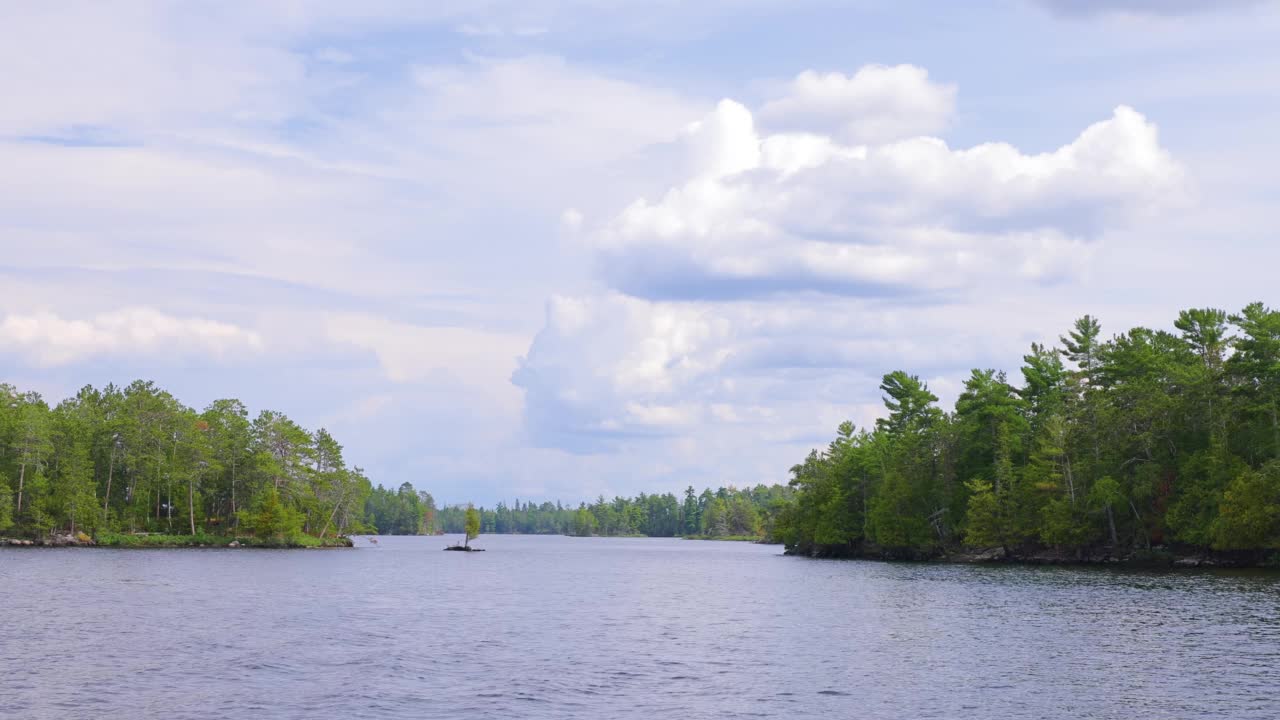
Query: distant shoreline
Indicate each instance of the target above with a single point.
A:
(146, 541)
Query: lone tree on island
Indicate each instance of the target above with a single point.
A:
(471, 525)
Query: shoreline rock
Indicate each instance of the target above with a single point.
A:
(58, 540)
(1154, 558)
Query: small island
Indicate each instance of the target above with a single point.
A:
(471, 531)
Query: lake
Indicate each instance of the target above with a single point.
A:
(555, 627)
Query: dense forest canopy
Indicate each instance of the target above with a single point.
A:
(135, 459)
(1150, 437)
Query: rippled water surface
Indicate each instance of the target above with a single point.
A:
(550, 627)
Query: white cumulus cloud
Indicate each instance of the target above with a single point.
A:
(609, 366)
(876, 104)
(764, 213)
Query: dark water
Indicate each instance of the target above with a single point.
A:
(547, 627)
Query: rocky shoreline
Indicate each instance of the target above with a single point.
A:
(65, 540)
(1155, 558)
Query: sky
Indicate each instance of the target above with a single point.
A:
(554, 250)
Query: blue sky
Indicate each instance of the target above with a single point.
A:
(562, 249)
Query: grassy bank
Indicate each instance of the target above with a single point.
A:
(122, 540)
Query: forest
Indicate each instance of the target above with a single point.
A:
(1149, 439)
(134, 466)
(124, 463)
(724, 513)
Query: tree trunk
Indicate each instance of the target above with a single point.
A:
(325, 529)
(1111, 525)
(173, 462)
(235, 519)
(159, 456)
(191, 502)
(866, 514)
(22, 476)
(995, 443)
(107, 502)
(1071, 483)
(1146, 536)
(1275, 427)
(131, 492)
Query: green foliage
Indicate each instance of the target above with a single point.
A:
(427, 505)
(750, 511)
(896, 519)
(399, 512)
(1106, 494)
(985, 524)
(37, 515)
(132, 540)
(1080, 345)
(1064, 524)
(1149, 437)
(126, 460)
(6, 506)
(1044, 388)
(584, 523)
(1204, 478)
(910, 404)
(471, 525)
(1249, 516)
(1254, 369)
(733, 514)
(271, 519)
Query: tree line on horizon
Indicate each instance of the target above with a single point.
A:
(1146, 439)
(725, 512)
